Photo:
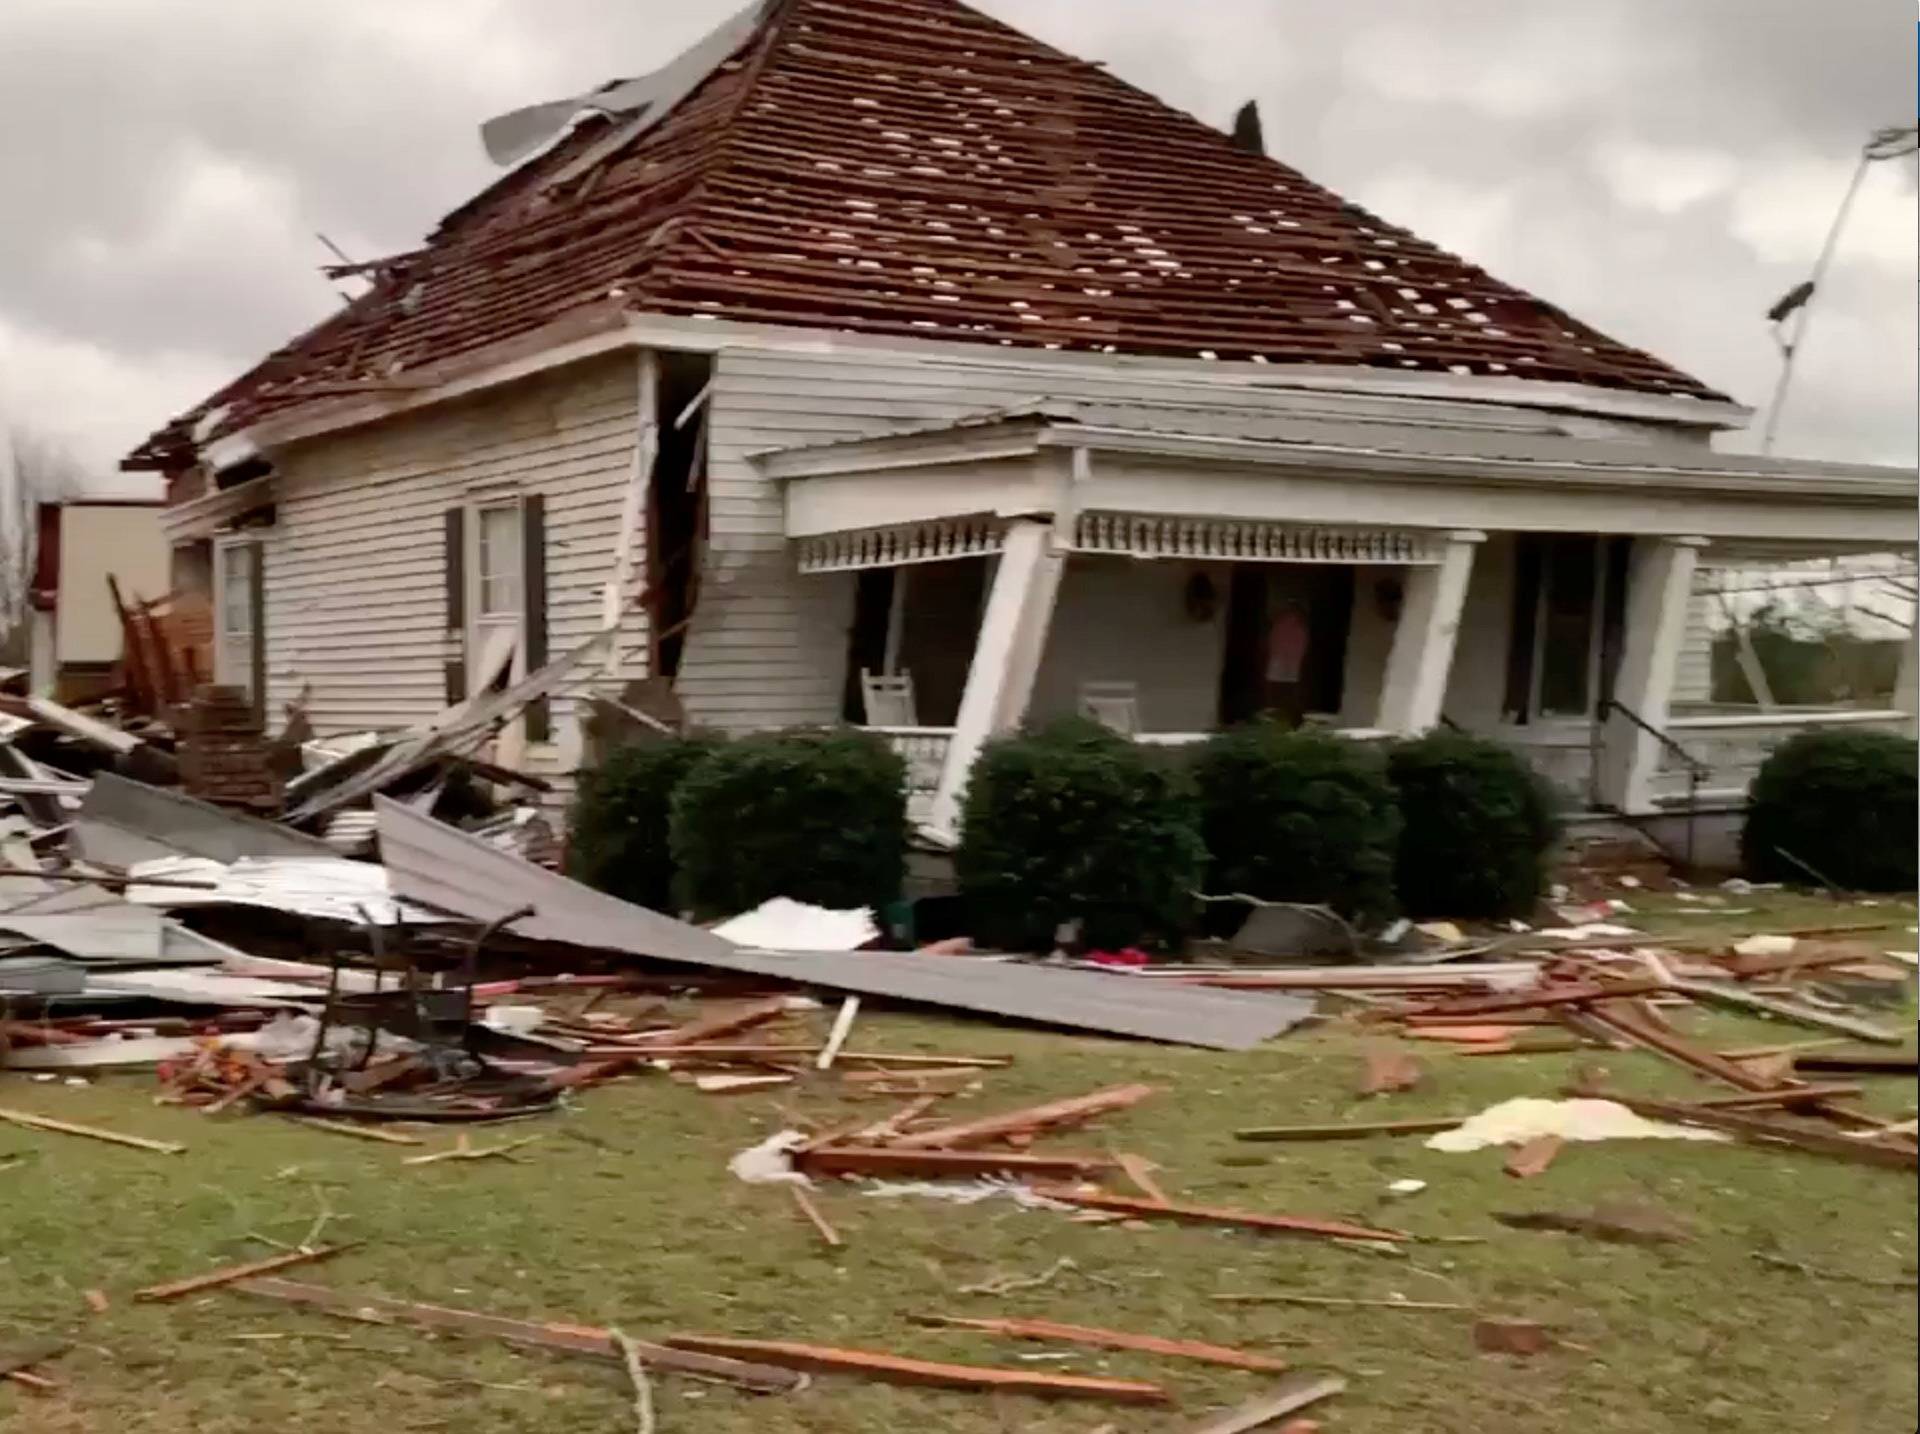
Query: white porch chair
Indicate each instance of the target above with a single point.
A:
(1112, 704)
(888, 699)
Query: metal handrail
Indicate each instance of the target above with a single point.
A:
(1697, 770)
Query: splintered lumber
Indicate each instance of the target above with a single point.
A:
(1341, 1302)
(359, 1132)
(1214, 1215)
(1140, 1170)
(1618, 1019)
(1389, 1070)
(1532, 1157)
(1033, 1118)
(113, 1137)
(722, 1051)
(231, 1273)
(718, 1023)
(1465, 1035)
(1350, 1130)
(892, 1369)
(1745, 1001)
(1858, 1063)
(891, 1160)
(14, 1358)
(1294, 1392)
(1046, 1329)
(1547, 997)
(1511, 1336)
(812, 1211)
(1770, 1132)
(882, 1131)
(1528, 1046)
(577, 1339)
(1787, 1095)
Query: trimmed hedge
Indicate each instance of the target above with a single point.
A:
(617, 837)
(819, 816)
(1478, 827)
(1075, 822)
(1842, 801)
(1298, 815)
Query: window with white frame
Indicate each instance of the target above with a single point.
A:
(500, 560)
(236, 613)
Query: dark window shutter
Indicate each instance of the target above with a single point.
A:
(533, 537)
(456, 594)
(257, 600)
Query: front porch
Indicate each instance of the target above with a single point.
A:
(1170, 584)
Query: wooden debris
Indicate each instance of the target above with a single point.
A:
(1427, 1125)
(812, 1211)
(892, 1369)
(1341, 1302)
(1872, 1282)
(1139, 1170)
(1787, 1095)
(892, 1160)
(719, 1023)
(113, 1137)
(882, 1131)
(1039, 1117)
(229, 1274)
(1620, 1223)
(837, 1037)
(947, 1079)
(1771, 1132)
(1294, 1392)
(1465, 1035)
(360, 1132)
(1526, 1046)
(1859, 1063)
(1043, 1329)
(1532, 1157)
(560, 1338)
(1786, 1048)
(96, 1300)
(1511, 1336)
(464, 1149)
(1390, 1070)
(724, 1084)
(1216, 1215)
(1746, 1002)
(18, 1357)
(636, 1376)
(1619, 1018)
(1547, 997)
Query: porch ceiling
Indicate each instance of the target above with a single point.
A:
(1066, 459)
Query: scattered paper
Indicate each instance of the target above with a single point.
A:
(1513, 1122)
(783, 924)
(769, 1162)
(1765, 946)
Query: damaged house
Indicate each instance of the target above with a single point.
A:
(878, 363)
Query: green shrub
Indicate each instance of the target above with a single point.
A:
(1842, 801)
(1075, 822)
(1478, 827)
(617, 829)
(819, 816)
(1298, 815)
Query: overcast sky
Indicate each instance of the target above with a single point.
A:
(1663, 170)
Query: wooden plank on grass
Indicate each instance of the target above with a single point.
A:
(1046, 1329)
(579, 1339)
(31, 1121)
(1294, 1392)
(812, 1211)
(1767, 1132)
(230, 1274)
(1532, 1157)
(893, 1369)
(1547, 997)
(1215, 1215)
(1352, 1129)
(1031, 1118)
(891, 1160)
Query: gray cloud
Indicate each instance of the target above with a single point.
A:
(1664, 171)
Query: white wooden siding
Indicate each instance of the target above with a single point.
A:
(355, 563)
(767, 646)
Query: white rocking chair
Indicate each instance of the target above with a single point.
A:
(888, 699)
(1112, 704)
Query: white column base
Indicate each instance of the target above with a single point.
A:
(1659, 590)
(1006, 659)
(1421, 657)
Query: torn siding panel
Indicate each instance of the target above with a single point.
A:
(356, 563)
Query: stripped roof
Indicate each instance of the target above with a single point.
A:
(916, 168)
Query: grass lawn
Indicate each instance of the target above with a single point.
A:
(624, 1214)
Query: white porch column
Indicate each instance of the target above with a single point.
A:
(1906, 686)
(1659, 591)
(1006, 658)
(1423, 640)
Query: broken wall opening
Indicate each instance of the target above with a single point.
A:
(676, 524)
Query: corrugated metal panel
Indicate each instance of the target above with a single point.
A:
(355, 563)
(122, 822)
(435, 865)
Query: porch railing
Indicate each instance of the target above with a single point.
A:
(924, 750)
(1731, 746)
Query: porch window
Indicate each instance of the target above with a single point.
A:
(1569, 610)
(237, 589)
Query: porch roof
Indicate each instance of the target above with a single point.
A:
(1062, 458)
